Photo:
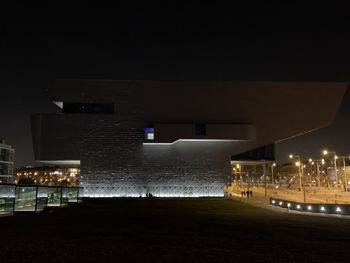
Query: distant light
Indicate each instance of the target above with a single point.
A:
(288, 204)
(325, 152)
(322, 208)
(281, 203)
(309, 207)
(273, 201)
(338, 209)
(310, 160)
(298, 206)
(291, 156)
(297, 163)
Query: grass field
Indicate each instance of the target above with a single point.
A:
(172, 230)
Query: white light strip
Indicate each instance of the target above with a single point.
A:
(96, 195)
(62, 162)
(5, 146)
(6, 162)
(191, 140)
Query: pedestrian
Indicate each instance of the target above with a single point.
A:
(251, 193)
(243, 193)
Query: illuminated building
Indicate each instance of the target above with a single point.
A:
(7, 157)
(46, 175)
(172, 138)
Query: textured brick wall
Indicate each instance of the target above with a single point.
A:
(115, 163)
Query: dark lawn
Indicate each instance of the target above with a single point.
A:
(171, 230)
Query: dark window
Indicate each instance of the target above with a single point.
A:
(92, 108)
(200, 129)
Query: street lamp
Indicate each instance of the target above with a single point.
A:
(291, 156)
(345, 180)
(273, 165)
(312, 161)
(325, 152)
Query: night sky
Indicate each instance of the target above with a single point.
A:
(171, 42)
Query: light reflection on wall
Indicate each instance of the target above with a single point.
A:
(101, 190)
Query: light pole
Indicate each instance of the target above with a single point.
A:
(291, 156)
(301, 172)
(312, 161)
(345, 180)
(264, 171)
(272, 179)
(325, 152)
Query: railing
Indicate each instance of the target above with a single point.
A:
(34, 198)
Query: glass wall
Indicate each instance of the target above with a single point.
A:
(73, 194)
(54, 195)
(41, 200)
(7, 198)
(64, 199)
(34, 198)
(25, 198)
(80, 194)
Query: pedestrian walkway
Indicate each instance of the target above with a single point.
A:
(260, 200)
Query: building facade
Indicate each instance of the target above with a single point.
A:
(7, 158)
(171, 138)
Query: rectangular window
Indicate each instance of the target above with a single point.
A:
(149, 134)
(89, 108)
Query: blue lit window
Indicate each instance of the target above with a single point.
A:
(149, 134)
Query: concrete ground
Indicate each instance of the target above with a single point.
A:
(172, 230)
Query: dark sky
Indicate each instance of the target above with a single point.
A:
(174, 42)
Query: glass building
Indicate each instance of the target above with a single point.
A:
(7, 157)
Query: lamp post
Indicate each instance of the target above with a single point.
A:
(317, 161)
(291, 156)
(301, 172)
(325, 152)
(265, 183)
(345, 180)
(272, 179)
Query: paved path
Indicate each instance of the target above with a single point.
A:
(259, 200)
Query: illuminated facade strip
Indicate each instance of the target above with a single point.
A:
(189, 140)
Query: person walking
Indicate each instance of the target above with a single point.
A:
(251, 193)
